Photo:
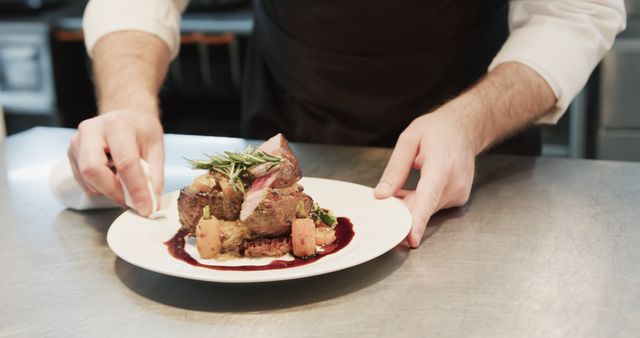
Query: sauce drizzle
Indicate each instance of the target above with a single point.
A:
(344, 234)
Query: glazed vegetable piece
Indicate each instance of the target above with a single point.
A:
(325, 235)
(203, 183)
(303, 237)
(208, 232)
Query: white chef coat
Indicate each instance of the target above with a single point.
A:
(562, 40)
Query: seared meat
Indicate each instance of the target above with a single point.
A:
(267, 247)
(270, 212)
(233, 236)
(213, 190)
(190, 204)
(271, 219)
(287, 172)
(271, 200)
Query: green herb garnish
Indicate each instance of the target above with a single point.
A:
(323, 215)
(206, 212)
(235, 165)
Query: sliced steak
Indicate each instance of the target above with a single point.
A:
(267, 247)
(190, 204)
(284, 174)
(213, 190)
(270, 212)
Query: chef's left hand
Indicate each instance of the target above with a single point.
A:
(440, 145)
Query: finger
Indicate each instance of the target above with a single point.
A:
(126, 158)
(398, 168)
(76, 175)
(433, 179)
(92, 166)
(402, 193)
(155, 158)
(71, 154)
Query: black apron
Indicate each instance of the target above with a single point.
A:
(358, 72)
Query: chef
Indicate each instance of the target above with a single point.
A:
(442, 80)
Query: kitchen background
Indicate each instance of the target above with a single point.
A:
(45, 78)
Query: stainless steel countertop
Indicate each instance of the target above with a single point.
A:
(546, 247)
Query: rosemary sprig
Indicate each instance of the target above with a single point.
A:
(235, 165)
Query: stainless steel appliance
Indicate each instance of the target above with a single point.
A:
(27, 5)
(26, 77)
(618, 128)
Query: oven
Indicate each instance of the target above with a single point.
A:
(618, 127)
(201, 93)
(26, 76)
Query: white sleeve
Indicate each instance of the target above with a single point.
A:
(158, 17)
(562, 40)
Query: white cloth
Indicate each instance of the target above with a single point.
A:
(562, 40)
(67, 191)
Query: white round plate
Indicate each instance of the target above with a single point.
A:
(379, 225)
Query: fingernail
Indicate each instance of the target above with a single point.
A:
(143, 209)
(383, 187)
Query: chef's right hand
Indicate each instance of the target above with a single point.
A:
(119, 139)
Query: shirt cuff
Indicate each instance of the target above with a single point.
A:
(158, 17)
(556, 58)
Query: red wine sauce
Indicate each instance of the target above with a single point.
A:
(344, 234)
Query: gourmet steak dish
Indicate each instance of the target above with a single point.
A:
(250, 204)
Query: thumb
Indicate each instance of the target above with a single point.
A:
(155, 158)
